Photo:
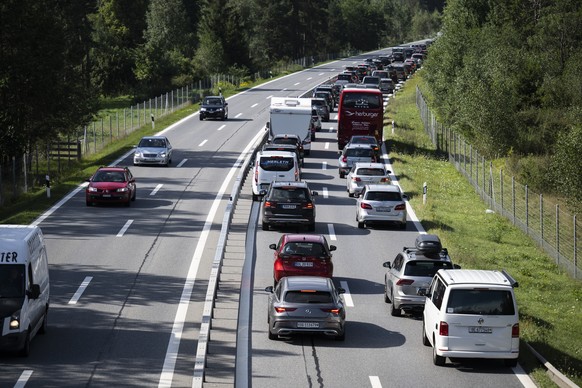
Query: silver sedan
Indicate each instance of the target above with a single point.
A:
(153, 150)
(306, 304)
(363, 174)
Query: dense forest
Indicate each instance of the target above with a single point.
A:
(507, 74)
(59, 57)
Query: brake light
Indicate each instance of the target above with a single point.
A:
(365, 205)
(333, 311)
(400, 207)
(284, 309)
(278, 265)
(515, 331)
(344, 159)
(257, 173)
(384, 180)
(443, 329)
(356, 179)
(308, 205)
(270, 204)
(404, 282)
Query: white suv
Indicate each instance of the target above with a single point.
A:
(471, 314)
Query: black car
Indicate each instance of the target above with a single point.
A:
(288, 203)
(214, 107)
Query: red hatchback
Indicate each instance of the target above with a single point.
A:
(302, 255)
(111, 185)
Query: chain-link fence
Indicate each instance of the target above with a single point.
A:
(553, 228)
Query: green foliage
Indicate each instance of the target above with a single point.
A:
(565, 170)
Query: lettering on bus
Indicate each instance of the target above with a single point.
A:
(371, 115)
(8, 257)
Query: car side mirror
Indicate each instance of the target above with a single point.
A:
(332, 248)
(422, 292)
(263, 192)
(267, 125)
(34, 292)
(387, 264)
(456, 266)
(341, 290)
(226, 104)
(404, 196)
(272, 246)
(388, 172)
(269, 289)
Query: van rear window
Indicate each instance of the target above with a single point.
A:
(481, 302)
(277, 163)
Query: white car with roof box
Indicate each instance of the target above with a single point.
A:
(471, 314)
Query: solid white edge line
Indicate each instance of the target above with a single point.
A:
(81, 290)
(375, 382)
(182, 162)
(523, 377)
(158, 187)
(347, 296)
(204, 142)
(124, 229)
(23, 379)
(331, 231)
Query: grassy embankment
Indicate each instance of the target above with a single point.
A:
(550, 301)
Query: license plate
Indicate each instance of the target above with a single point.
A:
(304, 264)
(288, 206)
(479, 329)
(308, 325)
(383, 209)
(106, 195)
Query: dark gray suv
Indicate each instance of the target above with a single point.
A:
(289, 203)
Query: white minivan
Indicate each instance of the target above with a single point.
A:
(471, 314)
(274, 166)
(24, 286)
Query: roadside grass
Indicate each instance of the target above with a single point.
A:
(550, 301)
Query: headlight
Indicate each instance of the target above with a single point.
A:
(92, 189)
(122, 189)
(162, 154)
(137, 154)
(15, 320)
(202, 109)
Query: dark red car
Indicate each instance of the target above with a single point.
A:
(302, 255)
(111, 185)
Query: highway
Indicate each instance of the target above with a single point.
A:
(128, 284)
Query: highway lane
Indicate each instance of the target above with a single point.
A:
(379, 350)
(134, 263)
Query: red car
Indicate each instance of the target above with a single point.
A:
(111, 185)
(302, 255)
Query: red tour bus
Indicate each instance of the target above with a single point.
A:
(360, 112)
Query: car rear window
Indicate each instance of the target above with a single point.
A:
(288, 193)
(276, 163)
(371, 171)
(383, 196)
(425, 268)
(360, 152)
(481, 302)
(308, 297)
(318, 102)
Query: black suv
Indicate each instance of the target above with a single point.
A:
(289, 203)
(214, 107)
(412, 270)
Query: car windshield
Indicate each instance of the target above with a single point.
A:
(425, 268)
(12, 281)
(282, 194)
(481, 302)
(152, 143)
(213, 101)
(362, 100)
(303, 249)
(383, 196)
(278, 163)
(370, 171)
(309, 296)
(108, 176)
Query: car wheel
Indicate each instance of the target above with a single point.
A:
(342, 336)
(307, 152)
(351, 195)
(255, 197)
(510, 362)
(342, 175)
(312, 137)
(361, 225)
(134, 195)
(425, 340)
(272, 336)
(265, 226)
(25, 350)
(128, 203)
(436, 359)
(395, 312)
(89, 203)
(386, 298)
(201, 118)
(43, 328)
(403, 226)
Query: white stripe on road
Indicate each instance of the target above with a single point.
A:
(375, 382)
(238, 115)
(331, 232)
(269, 97)
(325, 193)
(310, 78)
(221, 127)
(347, 295)
(320, 74)
(326, 145)
(201, 144)
(182, 162)
(125, 227)
(23, 379)
(80, 290)
(158, 187)
(324, 165)
(296, 83)
(252, 106)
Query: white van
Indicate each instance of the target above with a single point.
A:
(274, 166)
(471, 314)
(24, 286)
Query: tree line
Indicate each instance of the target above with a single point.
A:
(507, 74)
(58, 58)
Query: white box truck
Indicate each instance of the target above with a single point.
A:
(24, 286)
(291, 116)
